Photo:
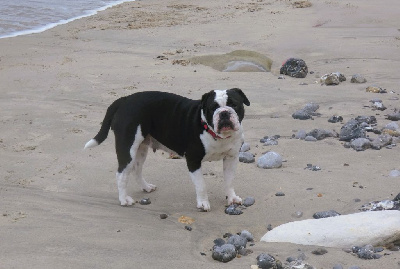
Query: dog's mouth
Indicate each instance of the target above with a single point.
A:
(225, 126)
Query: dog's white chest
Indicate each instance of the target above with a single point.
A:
(219, 149)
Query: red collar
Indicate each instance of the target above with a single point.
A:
(211, 132)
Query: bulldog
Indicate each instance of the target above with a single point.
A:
(209, 129)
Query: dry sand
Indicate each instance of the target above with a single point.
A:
(59, 204)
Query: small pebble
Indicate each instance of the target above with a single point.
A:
(357, 78)
(394, 173)
(163, 216)
(335, 119)
(269, 227)
(145, 201)
(325, 214)
(249, 201)
(188, 228)
(246, 157)
(267, 261)
(337, 266)
(245, 147)
(279, 193)
(233, 210)
(301, 134)
(310, 138)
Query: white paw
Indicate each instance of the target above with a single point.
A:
(149, 187)
(234, 199)
(204, 205)
(126, 201)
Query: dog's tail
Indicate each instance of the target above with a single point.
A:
(105, 126)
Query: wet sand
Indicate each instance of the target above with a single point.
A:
(59, 204)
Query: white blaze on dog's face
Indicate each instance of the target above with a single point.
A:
(223, 110)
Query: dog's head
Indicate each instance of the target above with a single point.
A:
(223, 110)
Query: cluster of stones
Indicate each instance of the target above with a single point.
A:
(225, 251)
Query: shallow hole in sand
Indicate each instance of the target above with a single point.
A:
(236, 61)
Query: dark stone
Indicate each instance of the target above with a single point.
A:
(301, 115)
(238, 241)
(266, 261)
(279, 193)
(224, 253)
(366, 119)
(351, 130)
(295, 68)
(163, 216)
(227, 235)
(188, 228)
(381, 141)
(397, 198)
(145, 201)
(335, 119)
(219, 242)
(247, 235)
(325, 214)
(233, 210)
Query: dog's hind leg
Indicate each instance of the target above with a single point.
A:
(141, 155)
(126, 160)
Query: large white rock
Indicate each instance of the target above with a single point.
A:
(372, 227)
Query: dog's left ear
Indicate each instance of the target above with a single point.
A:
(204, 99)
(239, 91)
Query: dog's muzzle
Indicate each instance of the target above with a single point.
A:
(225, 119)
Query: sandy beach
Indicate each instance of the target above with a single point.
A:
(59, 204)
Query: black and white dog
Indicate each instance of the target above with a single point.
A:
(200, 130)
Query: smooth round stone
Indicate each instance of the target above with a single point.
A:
(357, 78)
(249, 201)
(301, 134)
(270, 160)
(224, 253)
(392, 126)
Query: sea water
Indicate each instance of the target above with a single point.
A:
(21, 17)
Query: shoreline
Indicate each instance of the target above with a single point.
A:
(60, 204)
(51, 25)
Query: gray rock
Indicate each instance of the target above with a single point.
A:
(357, 78)
(310, 138)
(320, 134)
(378, 106)
(335, 119)
(301, 134)
(246, 157)
(279, 193)
(245, 147)
(360, 144)
(367, 252)
(267, 261)
(337, 266)
(270, 142)
(233, 210)
(381, 205)
(295, 68)
(325, 214)
(248, 201)
(330, 79)
(247, 235)
(381, 141)
(351, 130)
(392, 126)
(394, 173)
(366, 119)
(306, 112)
(395, 116)
(224, 253)
(238, 241)
(269, 160)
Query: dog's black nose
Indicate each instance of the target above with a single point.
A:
(224, 115)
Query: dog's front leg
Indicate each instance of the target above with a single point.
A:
(230, 164)
(201, 191)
